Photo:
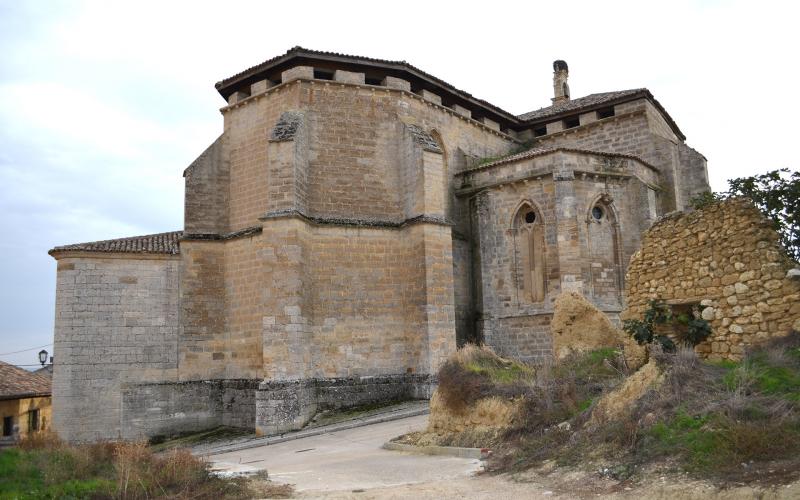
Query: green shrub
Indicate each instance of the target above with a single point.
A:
(694, 328)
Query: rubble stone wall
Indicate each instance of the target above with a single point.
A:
(726, 257)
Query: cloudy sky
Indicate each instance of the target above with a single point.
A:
(103, 104)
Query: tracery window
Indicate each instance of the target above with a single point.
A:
(528, 229)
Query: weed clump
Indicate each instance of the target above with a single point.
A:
(475, 373)
(724, 421)
(45, 467)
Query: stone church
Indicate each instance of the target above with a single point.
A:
(356, 220)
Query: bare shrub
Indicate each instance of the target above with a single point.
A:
(459, 387)
(474, 372)
(41, 440)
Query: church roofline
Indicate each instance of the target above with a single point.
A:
(592, 102)
(421, 80)
(399, 69)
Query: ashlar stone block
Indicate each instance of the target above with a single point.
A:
(348, 77)
(430, 96)
(396, 83)
(462, 111)
(298, 72)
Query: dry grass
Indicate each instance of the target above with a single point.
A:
(725, 422)
(474, 373)
(123, 470)
(707, 418)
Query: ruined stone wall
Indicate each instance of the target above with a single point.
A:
(725, 256)
(116, 324)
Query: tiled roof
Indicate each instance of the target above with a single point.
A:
(18, 383)
(544, 151)
(580, 103)
(163, 243)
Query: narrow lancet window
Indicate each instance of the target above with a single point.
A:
(530, 250)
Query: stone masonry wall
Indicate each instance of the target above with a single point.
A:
(283, 406)
(727, 257)
(116, 324)
(248, 130)
(207, 182)
(580, 253)
(350, 158)
(640, 130)
(354, 301)
(167, 409)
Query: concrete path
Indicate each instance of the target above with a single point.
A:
(376, 416)
(346, 460)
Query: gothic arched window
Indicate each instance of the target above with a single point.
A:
(528, 229)
(603, 242)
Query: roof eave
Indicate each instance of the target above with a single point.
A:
(224, 87)
(57, 253)
(26, 395)
(642, 94)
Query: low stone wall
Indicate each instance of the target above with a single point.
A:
(726, 257)
(283, 406)
(165, 409)
(526, 338)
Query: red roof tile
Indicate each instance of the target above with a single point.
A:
(16, 383)
(160, 243)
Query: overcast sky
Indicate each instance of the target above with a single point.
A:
(103, 104)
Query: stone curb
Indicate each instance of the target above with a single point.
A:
(452, 451)
(352, 424)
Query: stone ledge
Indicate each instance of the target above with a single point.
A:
(248, 231)
(450, 451)
(337, 221)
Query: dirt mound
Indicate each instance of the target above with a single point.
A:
(579, 326)
(485, 414)
(621, 400)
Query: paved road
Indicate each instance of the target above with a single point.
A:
(348, 460)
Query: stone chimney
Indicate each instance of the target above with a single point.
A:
(560, 86)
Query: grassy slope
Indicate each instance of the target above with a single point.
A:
(707, 419)
(48, 468)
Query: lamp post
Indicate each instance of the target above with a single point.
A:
(43, 357)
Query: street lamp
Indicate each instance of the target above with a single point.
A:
(43, 357)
